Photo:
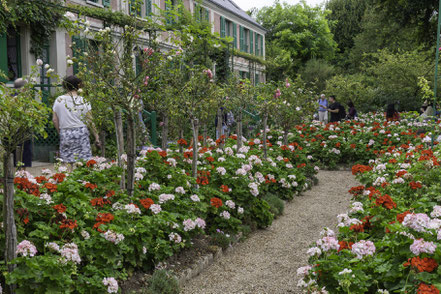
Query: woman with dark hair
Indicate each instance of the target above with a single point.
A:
(70, 114)
(352, 112)
(391, 113)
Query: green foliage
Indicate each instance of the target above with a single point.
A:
(276, 204)
(221, 239)
(297, 33)
(162, 282)
(316, 72)
(42, 17)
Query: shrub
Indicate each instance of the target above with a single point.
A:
(277, 206)
(162, 282)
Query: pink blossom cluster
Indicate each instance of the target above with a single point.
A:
(154, 187)
(417, 221)
(363, 248)
(230, 204)
(113, 237)
(53, 246)
(200, 223)
(420, 246)
(112, 285)
(175, 237)
(155, 208)
(180, 190)
(195, 198)
(328, 243)
(188, 225)
(132, 209)
(166, 197)
(225, 214)
(436, 211)
(69, 252)
(221, 170)
(254, 189)
(26, 248)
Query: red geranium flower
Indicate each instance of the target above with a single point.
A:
(59, 207)
(225, 189)
(216, 202)
(90, 163)
(385, 201)
(427, 289)
(59, 177)
(146, 202)
(51, 187)
(425, 264)
(91, 186)
(68, 224)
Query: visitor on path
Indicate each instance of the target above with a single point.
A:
(391, 113)
(24, 152)
(336, 109)
(227, 122)
(428, 111)
(70, 114)
(322, 112)
(352, 112)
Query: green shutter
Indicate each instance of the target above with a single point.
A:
(256, 45)
(241, 41)
(207, 14)
(235, 35)
(3, 56)
(106, 3)
(222, 27)
(77, 50)
(261, 45)
(148, 7)
(251, 43)
(197, 12)
(256, 79)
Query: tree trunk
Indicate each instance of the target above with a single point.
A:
(265, 122)
(205, 135)
(164, 131)
(195, 127)
(103, 143)
(117, 116)
(285, 136)
(219, 126)
(131, 154)
(181, 136)
(8, 215)
(239, 130)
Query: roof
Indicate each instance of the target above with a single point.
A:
(232, 7)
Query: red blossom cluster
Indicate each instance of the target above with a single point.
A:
(25, 185)
(91, 163)
(59, 177)
(203, 177)
(216, 202)
(102, 219)
(68, 224)
(51, 188)
(359, 168)
(60, 208)
(425, 264)
(41, 179)
(356, 191)
(146, 203)
(401, 216)
(100, 201)
(415, 185)
(365, 225)
(427, 289)
(91, 186)
(224, 188)
(345, 245)
(385, 201)
(182, 142)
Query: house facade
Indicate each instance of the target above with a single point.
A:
(226, 18)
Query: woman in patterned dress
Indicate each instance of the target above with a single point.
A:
(70, 115)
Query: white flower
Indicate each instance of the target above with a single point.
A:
(345, 271)
(180, 190)
(221, 170)
(69, 62)
(46, 197)
(175, 237)
(240, 210)
(85, 234)
(188, 225)
(112, 285)
(155, 208)
(70, 16)
(132, 209)
(314, 251)
(166, 197)
(26, 248)
(230, 204)
(200, 223)
(225, 214)
(69, 252)
(154, 187)
(54, 246)
(39, 62)
(303, 271)
(195, 198)
(114, 237)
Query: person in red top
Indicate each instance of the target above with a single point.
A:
(391, 113)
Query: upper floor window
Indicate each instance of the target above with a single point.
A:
(201, 13)
(105, 3)
(141, 8)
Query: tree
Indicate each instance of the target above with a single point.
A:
(296, 34)
(22, 116)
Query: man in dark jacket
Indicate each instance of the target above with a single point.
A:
(335, 109)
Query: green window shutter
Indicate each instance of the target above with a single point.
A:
(234, 35)
(241, 33)
(207, 14)
(106, 3)
(261, 45)
(256, 79)
(251, 42)
(148, 7)
(77, 50)
(3, 55)
(197, 11)
(256, 45)
(222, 27)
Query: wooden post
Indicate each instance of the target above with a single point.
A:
(195, 127)
(117, 116)
(265, 122)
(239, 130)
(164, 131)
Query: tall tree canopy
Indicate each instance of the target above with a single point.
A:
(297, 33)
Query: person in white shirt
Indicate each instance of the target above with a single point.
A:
(70, 115)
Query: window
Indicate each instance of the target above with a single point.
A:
(135, 8)
(251, 42)
(222, 27)
(256, 79)
(256, 45)
(169, 5)
(148, 8)
(11, 64)
(241, 38)
(246, 39)
(201, 13)
(105, 3)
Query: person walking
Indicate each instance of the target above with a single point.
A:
(70, 115)
(391, 113)
(336, 110)
(352, 112)
(323, 105)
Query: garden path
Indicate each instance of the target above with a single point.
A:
(267, 261)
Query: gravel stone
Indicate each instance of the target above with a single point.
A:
(268, 260)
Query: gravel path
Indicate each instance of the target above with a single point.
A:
(268, 260)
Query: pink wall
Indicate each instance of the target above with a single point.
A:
(216, 22)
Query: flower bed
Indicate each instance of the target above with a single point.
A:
(389, 241)
(78, 233)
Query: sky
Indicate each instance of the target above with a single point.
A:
(247, 4)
